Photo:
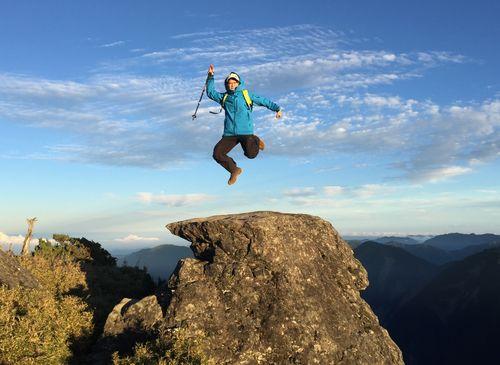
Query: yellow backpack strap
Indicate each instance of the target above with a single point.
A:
(223, 99)
(247, 98)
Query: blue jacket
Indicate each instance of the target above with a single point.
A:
(238, 120)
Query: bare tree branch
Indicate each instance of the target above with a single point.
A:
(26, 245)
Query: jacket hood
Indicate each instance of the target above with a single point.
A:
(240, 86)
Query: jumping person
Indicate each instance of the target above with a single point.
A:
(237, 103)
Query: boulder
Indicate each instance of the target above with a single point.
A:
(131, 321)
(132, 315)
(13, 275)
(273, 288)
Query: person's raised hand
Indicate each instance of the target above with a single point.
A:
(279, 114)
(211, 70)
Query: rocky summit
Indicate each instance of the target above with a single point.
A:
(273, 288)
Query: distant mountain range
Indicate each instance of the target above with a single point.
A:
(402, 240)
(160, 261)
(428, 253)
(439, 249)
(394, 275)
(438, 256)
(458, 241)
(455, 318)
(440, 306)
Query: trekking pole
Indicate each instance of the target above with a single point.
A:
(201, 97)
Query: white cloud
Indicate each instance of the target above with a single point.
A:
(453, 141)
(173, 200)
(13, 86)
(125, 118)
(300, 192)
(382, 101)
(440, 174)
(487, 191)
(16, 241)
(390, 57)
(112, 44)
(135, 238)
(335, 194)
(370, 190)
(19, 239)
(338, 196)
(332, 190)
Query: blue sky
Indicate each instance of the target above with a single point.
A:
(391, 115)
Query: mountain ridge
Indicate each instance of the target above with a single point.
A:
(160, 260)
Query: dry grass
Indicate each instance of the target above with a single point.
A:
(42, 326)
(58, 322)
(172, 347)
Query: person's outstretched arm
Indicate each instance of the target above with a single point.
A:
(211, 92)
(262, 101)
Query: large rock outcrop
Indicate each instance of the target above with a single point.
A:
(273, 288)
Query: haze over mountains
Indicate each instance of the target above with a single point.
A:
(160, 261)
(402, 240)
(438, 249)
(458, 241)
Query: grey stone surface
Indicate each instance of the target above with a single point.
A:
(274, 288)
(13, 275)
(132, 315)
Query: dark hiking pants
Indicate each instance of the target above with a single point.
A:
(250, 144)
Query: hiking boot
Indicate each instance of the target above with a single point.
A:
(262, 145)
(234, 176)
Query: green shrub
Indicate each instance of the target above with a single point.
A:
(80, 249)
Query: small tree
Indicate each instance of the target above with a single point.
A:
(26, 245)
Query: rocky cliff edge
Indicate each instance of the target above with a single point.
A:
(274, 288)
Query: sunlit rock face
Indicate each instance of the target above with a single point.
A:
(274, 288)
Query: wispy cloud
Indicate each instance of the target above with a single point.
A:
(330, 194)
(443, 173)
(456, 139)
(130, 113)
(135, 238)
(332, 190)
(173, 200)
(300, 192)
(370, 190)
(112, 44)
(386, 207)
